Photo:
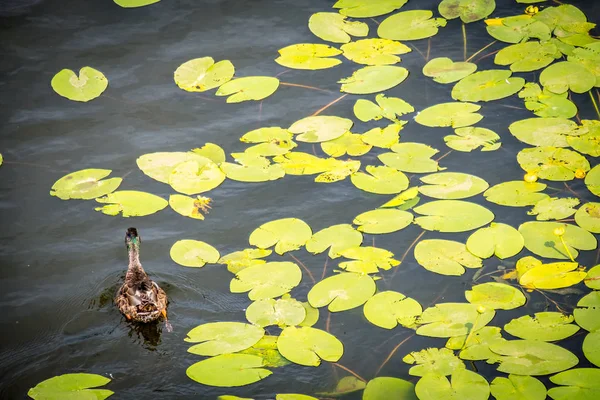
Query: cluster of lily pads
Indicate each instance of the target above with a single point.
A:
(243, 353)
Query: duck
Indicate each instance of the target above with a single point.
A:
(140, 299)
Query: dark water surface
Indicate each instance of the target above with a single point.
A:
(61, 262)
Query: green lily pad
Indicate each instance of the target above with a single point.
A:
(470, 138)
(404, 199)
(308, 346)
(383, 221)
(389, 309)
(500, 240)
(433, 361)
(478, 345)
(453, 114)
(380, 180)
(563, 15)
(567, 75)
(252, 168)
(373, 79)
(281, 312)
(452, 185)
(593, 277)
(546, 104)
(338, 170)
(248, 88)
(271, 149)
(554, 208)
(135, 3)
(589, 57)
(368, 260)
(71, 386)
(444, 70)
(516, 193)
(588, 143)
(445, 257)
(336, 237)
(386, 107)
(410, 25)
(294, 396)
(592, 180)
(308, 56)
(267, 135)
(468, 10)
(487, 85)
(342, 292)
(463, 384)
(87, 86)
(190, 177)
(131, 203)
(228, 370)
(532, 357)
(545, 326)
(383, 137)
(334, 27)
(528, 56)
(591, 347)
(452, 216)
(223, 338)
(312, 315)
(587, 312)
(287, 234)
(202, 74)
(320, 128)
(193, 253)
(518, 387)
(552, 163)
(160, 165)
(411, 157)
(367, 8)
(85, 184)
(212, 151)
(238, 260)
(541, 239)
(519, 29)
(497, 296)
(544, 131)
(266, 348)
(588, 217)
(552, 276)
(446, 320)
(576, 384)
(266, 281)
(349, 143)
(374, 51)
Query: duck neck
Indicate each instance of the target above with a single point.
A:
(134, 256)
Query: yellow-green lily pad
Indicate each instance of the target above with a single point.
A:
(266, 281)
(367, 8)
(384, 387)
(552, 276)
(160, 165)
(567, 75)
(342, 292)
(463, 384)
(487, 85)
(229, 370)
(532, 357)
(202, 74)
(500, 240)
(411, 157)
(516, 193)
(373, 79)
(248, 88)
(308, 56)
(554, 208)
(336, 237)
(87, 86)
(349, 143)
(85, 184)
(468, 10)
(410, 25)
(193, 253)
(552, 163)
(433, 361)
(368, 260)
(452, 216)
(444, 70)
(320, 128)
(545, 131)
(191, 177)
(308, 346)
(518, 387)
(576, 384)
(446, 320)
(452, 185)
(541, 239)
(281, 312)
(389, 309)
(238, 260)
(445, 257)
(588, 217)
(131, 203)
(383, 137)
(528, 56)
(374, 51)
(495, 295)
(334, 27)
(383, 220)
(588, 143)
(470, 138)
(386, 107)
(454, 114)
(217, 338)
(545, 326)
(71, 386)
(380, 180)
(285, 234)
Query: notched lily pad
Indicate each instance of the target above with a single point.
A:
(446, 320)
(336, 237)
(85, 184)
(308, 56)
(452, 216)
(495, 295)
(342, 292)
(470, 138)
(444, 70)
(410, 25)
(222, 338)
(487, 86)
(463, 384)
(308, 346)
(266, 281)
(374, 51)
(453, 114)
(445, 257)
(373, 79)
(545, 326)
(389, 309)
(193, 253)
(433, 361)
(500, 240)
(334, 27)
(286, 234)
(467, 10)
(248, 88)
(367, 8)
(541, 239)
(228, 370)
(131, 203)
(87, 86)
(71, 386)
(202, 74)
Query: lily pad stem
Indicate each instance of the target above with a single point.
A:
(350, 371)
(320, 110)
(392, 354)
(470, 332)
(310, 275)
(406, 253)
(480, 50)
(305, 87)
(562, 240)
(464, 33)
(594, 103)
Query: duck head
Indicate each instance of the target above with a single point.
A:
(132, 240)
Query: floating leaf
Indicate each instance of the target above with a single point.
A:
(589, 57)
(271, 149)
(384, 138)
(552, 163)
(349, 143)
(253, 168)
(463, 384)
(577, 384)
(286, 234)
(85, 184)
(386, 107)
(380, 180)
(160, 165)
(452, 216)
(552, 276)
(266, 281)
(223, 337)
(500, 240)
(388, 309)
(445, 257)
(588, 311)
(281, 312)
(404, 198)
(497, 296)
(191, 177)
(546, 104)
(374, 51)
(588, 217)
(342, 292)
(308, 346)
(368, 260)
(544, 131)
(212, 151)
(518, 387)
(248, 88)
(238, 260)
(202, 74)
(545, 326)
(410, 25)
(267, 135)
(411, 157)
(478, 345)
(516, 193)
(487, 85)
(294, 396)
(444, 70)
(541, 239)
(312, 315)
(367, 8)
(131, 203)
(87, 86)
(528, 56)
(453, 114)
(433, 361)
(452, 185)
(338, 170)
(373, 79)
(334, 27)
(337, 238)
(593, 277)
(567, 75)
(189, 206)
(554, 208)
(71, 386)
(383, 221)
(320, 128)
(193, 253)
(135, 3)
(588, 143)
(453, 319)
(383, 388)
(591, 347)
(228, 370)
(470, 138)
(308, 56)
(532, 357)
(592, 180)
(518, 29)
(266, 348)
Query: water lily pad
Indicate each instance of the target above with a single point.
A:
(563, 15)
(212, 151)
(541, 239)
(336, 237)
(452, 216)
(266, 281)
(383, 388)
(516, 193)
(334, 27)
(228, 370)
(545, 326)
(382, 137)
(160, 165)
(380, 180)
(546, 104)
(87, 86)
(567, 75)
(411, 157)
(267, 135)
(487, 85)
(222, 338)
(518, 387)
(85, 184)
(446, 320)
(238, 260)
(294, 396)
(592, 180)
(271, 149)
(452, 185)
(338, 170)
(444, 70)
(286, 234)
(497, 296)
(467, 10)
(308, 346)
(202, 74)
(193, 253)
(588, 143)
(554, 208)
(349, 143)
(588, 217)
(544, 131)
(552, 163)
(368, 260)
(389, 309)
(342, 292)
(320, 128)
(433, 361)
(463, 384)
(445, 257)
(253, 168)
(589, 57)
(191, 177)
(453, 114)
(470, 138)
(403, 199)
(367, 8)
(135, 3)
(500, 240)
(528, 56)
(592, 280)
(552, 276)
(248, 88)
(518, 29)
(532, 357)
(131, 203)
(587, 312)
(266, 348)
(281, 312)
(308, 56)
(410, 25)
(373, 79)
(591, 347)
(71, 386)
(312, 315)
(576, 384)
(383, 221)
(386, 107)
(478, 345)
(374, 51)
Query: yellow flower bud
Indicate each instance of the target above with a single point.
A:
(559, 231)
(481, 309)
(530, 177)
(579, 173)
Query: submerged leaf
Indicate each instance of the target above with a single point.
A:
(410, 25)
(532, 357)
(222, 338)
(497, 296)
(202, 74)
(487, 85)
(453, 114)
(446, 320)
(193, 253)
(71, 386)
(445, 257)
(467, 10)
(444, 70)
(131, 203)
(336, 237)
(228, 370)
(388, 309)
(266, 281)
(334, 27)
(433, 361)
(248, 88)
(541, 239)
(308, 56)
(463, 384)
(342, 292)
(373, 79)
(452, 216)
(374, 51)
(383, 221)
(85, 184)
(545, 326)
(308, 346)
(87, 86)
(286, 234)
(516, 193)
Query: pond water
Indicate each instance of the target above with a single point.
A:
(62, 261)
